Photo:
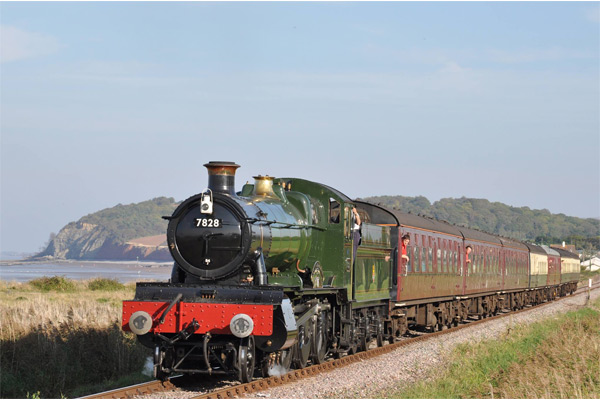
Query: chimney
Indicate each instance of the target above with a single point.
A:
(221, 176)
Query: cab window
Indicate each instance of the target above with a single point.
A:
(334, 211)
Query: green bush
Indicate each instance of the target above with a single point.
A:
(54, 283)
(109, 285)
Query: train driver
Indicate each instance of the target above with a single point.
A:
(355, 232)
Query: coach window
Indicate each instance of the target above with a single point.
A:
(512, 264)
(447, 265)
(424, 260)
(410, 258)
(416, 257)
(434, 257)
(455, 254)
(455, 261)
(497, 263)
(444, 257)
(482, 264)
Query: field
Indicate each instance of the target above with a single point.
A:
(62, 338)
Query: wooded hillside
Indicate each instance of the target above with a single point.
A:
(104, 235)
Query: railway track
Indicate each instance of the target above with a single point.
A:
(154, 387)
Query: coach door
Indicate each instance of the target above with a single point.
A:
(465, 266)
(349, 256)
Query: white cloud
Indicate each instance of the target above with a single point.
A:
(17, 44)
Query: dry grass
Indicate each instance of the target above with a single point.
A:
(566, 366)
(23, 308)
(53, 342)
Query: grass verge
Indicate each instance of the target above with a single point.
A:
(557, 358)
(63, 338)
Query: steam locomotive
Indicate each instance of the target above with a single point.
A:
(273, 278)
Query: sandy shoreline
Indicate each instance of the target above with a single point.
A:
(92, 263)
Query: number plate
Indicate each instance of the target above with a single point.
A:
(208, 223)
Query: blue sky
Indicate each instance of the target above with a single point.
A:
(115, 102)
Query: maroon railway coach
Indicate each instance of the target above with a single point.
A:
(440, 285)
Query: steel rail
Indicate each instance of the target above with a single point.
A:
(140, 389)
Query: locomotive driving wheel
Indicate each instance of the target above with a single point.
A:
(304, 344)
(320, 343)
(246, 360)
(365, 338)
(379, 332)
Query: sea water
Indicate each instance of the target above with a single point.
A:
(123, 272)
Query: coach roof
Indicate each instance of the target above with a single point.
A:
(408, 220)
(507, 242)
(565, 253)
(479, 236)
(535, 248)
